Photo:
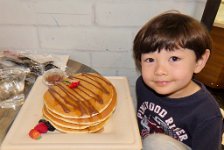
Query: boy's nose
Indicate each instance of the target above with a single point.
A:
(160, 69)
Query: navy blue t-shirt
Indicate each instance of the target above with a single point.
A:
(195, 120)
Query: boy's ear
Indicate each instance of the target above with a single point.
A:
(202, 61)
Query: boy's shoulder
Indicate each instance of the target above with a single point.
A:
(139, 82)
(139, 79)
(206, 103)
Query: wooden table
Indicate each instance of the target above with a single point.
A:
(7, 116)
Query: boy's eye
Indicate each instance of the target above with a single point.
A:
(149, 60)
(174, 58)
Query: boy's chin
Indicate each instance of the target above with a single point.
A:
(166, 93)
(161, 90)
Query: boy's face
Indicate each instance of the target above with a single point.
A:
(170, 72)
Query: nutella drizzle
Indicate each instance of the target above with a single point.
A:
(105, 90)
(80, 102)
(100, 87)
(73, 97)
(52, 92)
(108, 83)
(89, 105)
(96, 97)
(66, 101)
(85, 106)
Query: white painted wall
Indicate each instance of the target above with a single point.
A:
(219, 20)
(98, 33)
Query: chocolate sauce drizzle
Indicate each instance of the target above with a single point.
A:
(75, 99)
(64, 107)
(81, 105)
(100, 86)
(107, 82)
(95, 97)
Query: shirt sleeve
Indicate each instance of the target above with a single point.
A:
(208, 135)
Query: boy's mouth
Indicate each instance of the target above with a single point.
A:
(161, 83)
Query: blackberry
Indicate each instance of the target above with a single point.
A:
(42, 120)
(49, 126)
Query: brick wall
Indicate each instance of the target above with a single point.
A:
(98, 33)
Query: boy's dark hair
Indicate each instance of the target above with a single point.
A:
(170, 31)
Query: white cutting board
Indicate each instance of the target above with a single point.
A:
(120, 133)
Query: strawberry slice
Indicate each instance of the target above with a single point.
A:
(74, 84)
(34, 134)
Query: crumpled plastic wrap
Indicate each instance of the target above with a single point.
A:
(33, 63)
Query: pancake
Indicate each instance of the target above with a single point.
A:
(91, 129)
(84, 108)
(66, 127)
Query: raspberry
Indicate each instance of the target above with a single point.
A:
(41, 127)
(34, 134)
(48, 124)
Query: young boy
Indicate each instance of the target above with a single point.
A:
(168, 50)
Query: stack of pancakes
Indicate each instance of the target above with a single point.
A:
(85, 108)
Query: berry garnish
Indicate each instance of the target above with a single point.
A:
(48, 124)
(73, 84)
(34, 134)
(42, 120)
(41, 127)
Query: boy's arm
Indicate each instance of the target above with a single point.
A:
(208, 135)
